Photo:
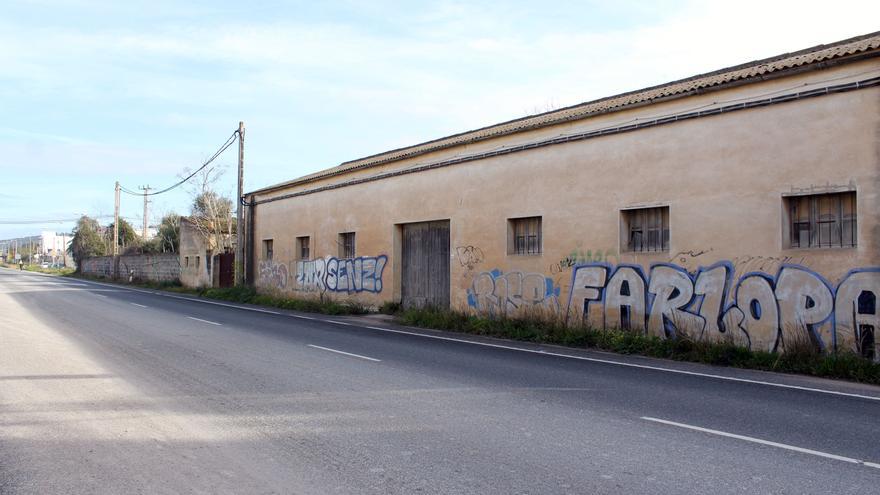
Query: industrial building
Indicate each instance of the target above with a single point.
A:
(738, 205)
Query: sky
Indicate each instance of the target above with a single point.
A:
(94, 92)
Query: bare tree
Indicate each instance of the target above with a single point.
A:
(211, 212)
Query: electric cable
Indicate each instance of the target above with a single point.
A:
(220, 151)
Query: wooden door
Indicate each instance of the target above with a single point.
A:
(425, 278)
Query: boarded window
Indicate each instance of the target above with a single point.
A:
(268, 249)
(346, 245)
(524, 236)
(303, 247)
(647, 229)
(822, 220)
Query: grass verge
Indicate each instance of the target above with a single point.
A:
(803, 360)
(249, 295)
(39, 269)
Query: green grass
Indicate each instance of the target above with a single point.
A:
(39, 269)
(802, 360)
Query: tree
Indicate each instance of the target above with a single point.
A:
(128, 237)
(86, 241)
(212, 213)
(167, 238)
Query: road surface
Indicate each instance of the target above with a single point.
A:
(109, 390)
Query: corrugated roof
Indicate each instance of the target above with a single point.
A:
(741, 73)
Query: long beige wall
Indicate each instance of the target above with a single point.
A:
(722, 177)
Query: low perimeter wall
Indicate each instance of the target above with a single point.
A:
(152, 267)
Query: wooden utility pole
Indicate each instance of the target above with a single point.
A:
(239, 213)
(146, 190)
(116, 223)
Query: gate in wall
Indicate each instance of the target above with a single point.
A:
(225, 266)
(425, 265)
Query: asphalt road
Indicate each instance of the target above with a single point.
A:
(109, 390)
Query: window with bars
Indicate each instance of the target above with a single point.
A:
(646, 229)
(524, 235)
(822, 220)
(302, 247)
(268, 249)
(346, 245)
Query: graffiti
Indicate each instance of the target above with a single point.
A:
(748, 263)
(499, 293)
(762, 312)
(469, 256)
(351, 276)
(683, 257)
(273, 274)
(580, 257)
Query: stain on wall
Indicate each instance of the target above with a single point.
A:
(273, 274)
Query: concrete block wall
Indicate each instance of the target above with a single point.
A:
(152, 267)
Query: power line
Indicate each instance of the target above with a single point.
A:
(220, 151)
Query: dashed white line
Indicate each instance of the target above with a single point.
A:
(340, 323)
(138, 305)
(764, 442)
(204, 321)
(533, 351)
(303, 317)
(345, 353)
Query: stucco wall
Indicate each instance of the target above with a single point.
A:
(723, 178)
(193, 273)
(155, 268)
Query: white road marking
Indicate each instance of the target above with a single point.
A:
(346, 353)
(138, 305)
(204, 321)
(340, 323)
(630, 365)
(764, 442)
(533, 351)
(303, 317)
(101, 295)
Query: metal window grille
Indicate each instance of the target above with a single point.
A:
(303, 247)
(648, 229)
(526, 235)
(823, 220)
(346, 245)
(268, 250)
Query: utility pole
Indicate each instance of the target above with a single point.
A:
(239, 213)
(146, 190)
(116, 223)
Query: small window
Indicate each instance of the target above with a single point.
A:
(197, 262)
(302, 248)
(186, 262)
(268, 249)
(822, 220)
(646, 229)
(346, 245)
(524, 236)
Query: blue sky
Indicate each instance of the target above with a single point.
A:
(94, 92)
